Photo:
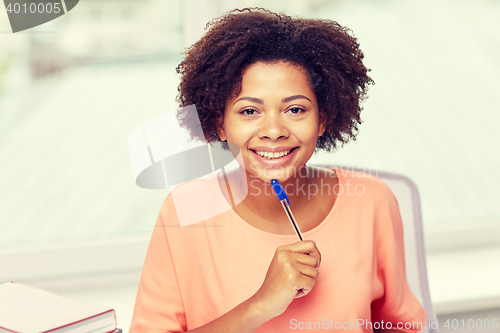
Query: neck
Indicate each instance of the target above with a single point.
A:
(258, 195)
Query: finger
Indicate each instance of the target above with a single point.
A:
(304, 286)
(309, 260)
(306, 270)
(314, 252)
(306, 247)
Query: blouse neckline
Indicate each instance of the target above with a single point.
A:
(325, 221)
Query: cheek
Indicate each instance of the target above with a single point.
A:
(308, 132)
(238, 132)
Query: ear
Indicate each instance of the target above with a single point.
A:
(322, 123)
(220, 129)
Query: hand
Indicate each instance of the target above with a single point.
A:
(292, 274)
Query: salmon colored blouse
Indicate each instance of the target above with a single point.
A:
(194, 274)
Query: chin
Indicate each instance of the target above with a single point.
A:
(267, 174)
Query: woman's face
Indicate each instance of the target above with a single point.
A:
(274, 120)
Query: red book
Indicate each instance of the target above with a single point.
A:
(25, 309)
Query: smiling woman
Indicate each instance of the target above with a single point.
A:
(276, 123)
(213, 66)
(278, 89)
(275, 112)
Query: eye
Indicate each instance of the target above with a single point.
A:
(248, 112)
(296, 110)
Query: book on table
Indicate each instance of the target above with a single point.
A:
(25, 309)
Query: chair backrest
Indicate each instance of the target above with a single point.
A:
(406, 193)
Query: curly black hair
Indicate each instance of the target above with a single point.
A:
(212, 68)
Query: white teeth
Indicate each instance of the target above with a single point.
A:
(272, 155)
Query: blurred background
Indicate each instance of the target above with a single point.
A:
(72, 219)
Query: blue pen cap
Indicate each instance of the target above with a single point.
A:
(280, 192)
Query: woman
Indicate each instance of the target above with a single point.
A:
(278, 89)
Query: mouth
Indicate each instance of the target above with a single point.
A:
(278, 157)
(273, 155)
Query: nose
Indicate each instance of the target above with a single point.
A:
(273, 127)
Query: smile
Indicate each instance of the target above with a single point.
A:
(274, 158)
(271, 155)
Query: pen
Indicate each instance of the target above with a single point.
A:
(280, 192)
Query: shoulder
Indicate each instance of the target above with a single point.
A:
(193, 189)
(193, 201)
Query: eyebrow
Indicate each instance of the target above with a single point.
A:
(251, 99)
(283, 100)
(294, 97)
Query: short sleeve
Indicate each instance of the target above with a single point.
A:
(158, 306)
(397, 305)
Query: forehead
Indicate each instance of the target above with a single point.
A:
(278, 77)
